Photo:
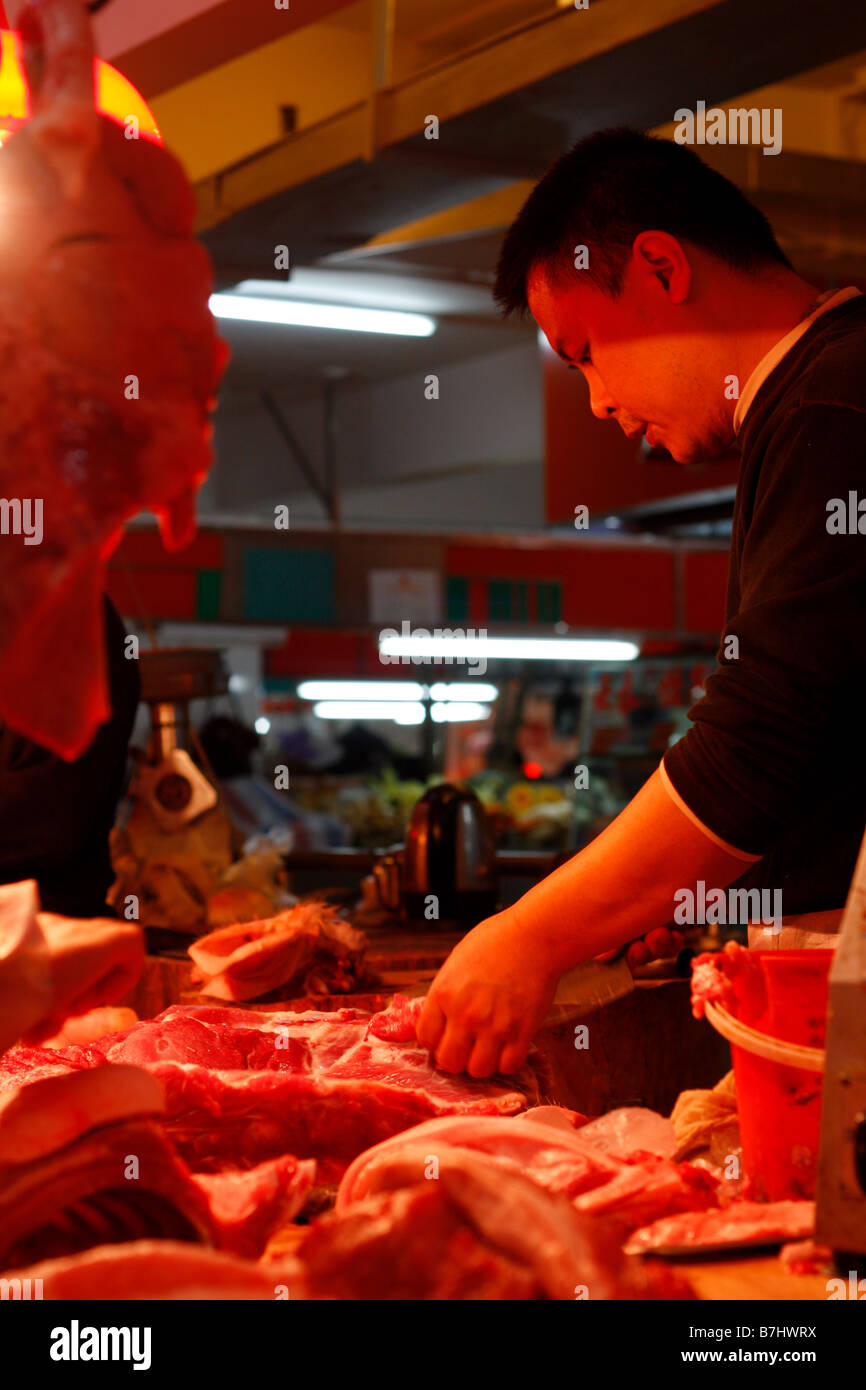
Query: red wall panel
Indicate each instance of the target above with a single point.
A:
(160, 593)
(311, 651)
(619, 588)
(145, 548)
(603, 585)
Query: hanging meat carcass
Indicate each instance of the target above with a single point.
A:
(109, 363)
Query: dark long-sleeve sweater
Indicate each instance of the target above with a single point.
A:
(775, 762)
(55, 816)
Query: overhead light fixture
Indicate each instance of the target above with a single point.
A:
(297, 313)
(360, 690)
(396, 690)
(459, 712)
(463, 690)
(400, 711)
(263, 725)
(434, 648)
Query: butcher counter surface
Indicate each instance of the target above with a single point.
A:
(761, 1278)
(644, 1047)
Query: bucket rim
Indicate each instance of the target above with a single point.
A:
(764, 1044)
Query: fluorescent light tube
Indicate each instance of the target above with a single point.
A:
(298, 313)
(400, 711)
(463, 690)
(458, 711)
(360, 690)
(509, 648)
(395, 690)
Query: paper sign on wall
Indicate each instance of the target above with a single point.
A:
(415, 595)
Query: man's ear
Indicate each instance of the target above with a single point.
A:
(663, 256)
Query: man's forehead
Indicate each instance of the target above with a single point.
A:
(539, 284)
(555, 304)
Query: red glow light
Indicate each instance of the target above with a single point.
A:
(114, 94)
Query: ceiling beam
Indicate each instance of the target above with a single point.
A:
(158, 56)
(576, 72)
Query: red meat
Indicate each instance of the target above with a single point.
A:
(475, 1232)
(243, 1086)
(248, 1207)
(309, 942)
(753, 1223)
(67, 1180)
(558, 1160)
(152, 1270)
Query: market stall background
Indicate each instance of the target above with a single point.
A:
(369, 158)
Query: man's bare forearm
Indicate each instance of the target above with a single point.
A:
(622, 884)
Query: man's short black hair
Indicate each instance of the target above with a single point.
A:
(610, 187)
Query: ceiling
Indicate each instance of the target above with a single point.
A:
(295, 360)
(375, 212)
(340, 222)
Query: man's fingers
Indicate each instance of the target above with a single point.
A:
(638, 953)
(454, 1050)
(663, 942)
(658, 944)
(431, 1024)
(513, 1056)
(484, 1057)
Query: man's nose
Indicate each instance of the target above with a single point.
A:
(601, 403)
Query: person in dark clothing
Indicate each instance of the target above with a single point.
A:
(229, 745)
(658, 280)
(55, 816)
(775, 719)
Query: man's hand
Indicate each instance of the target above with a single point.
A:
(488, 1000)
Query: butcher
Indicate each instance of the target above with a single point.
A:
(654, 277)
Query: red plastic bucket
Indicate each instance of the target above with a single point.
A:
(780, 1106)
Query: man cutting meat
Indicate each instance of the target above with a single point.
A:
(689, 325)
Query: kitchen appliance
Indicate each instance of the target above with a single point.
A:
(449, 861)
(841, 1191)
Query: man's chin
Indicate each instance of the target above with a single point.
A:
(680, 450)
(687, 452)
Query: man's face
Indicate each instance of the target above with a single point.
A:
(646, 359)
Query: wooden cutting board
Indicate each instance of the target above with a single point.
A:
(763, 1277)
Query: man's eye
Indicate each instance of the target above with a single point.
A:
(586, 358)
